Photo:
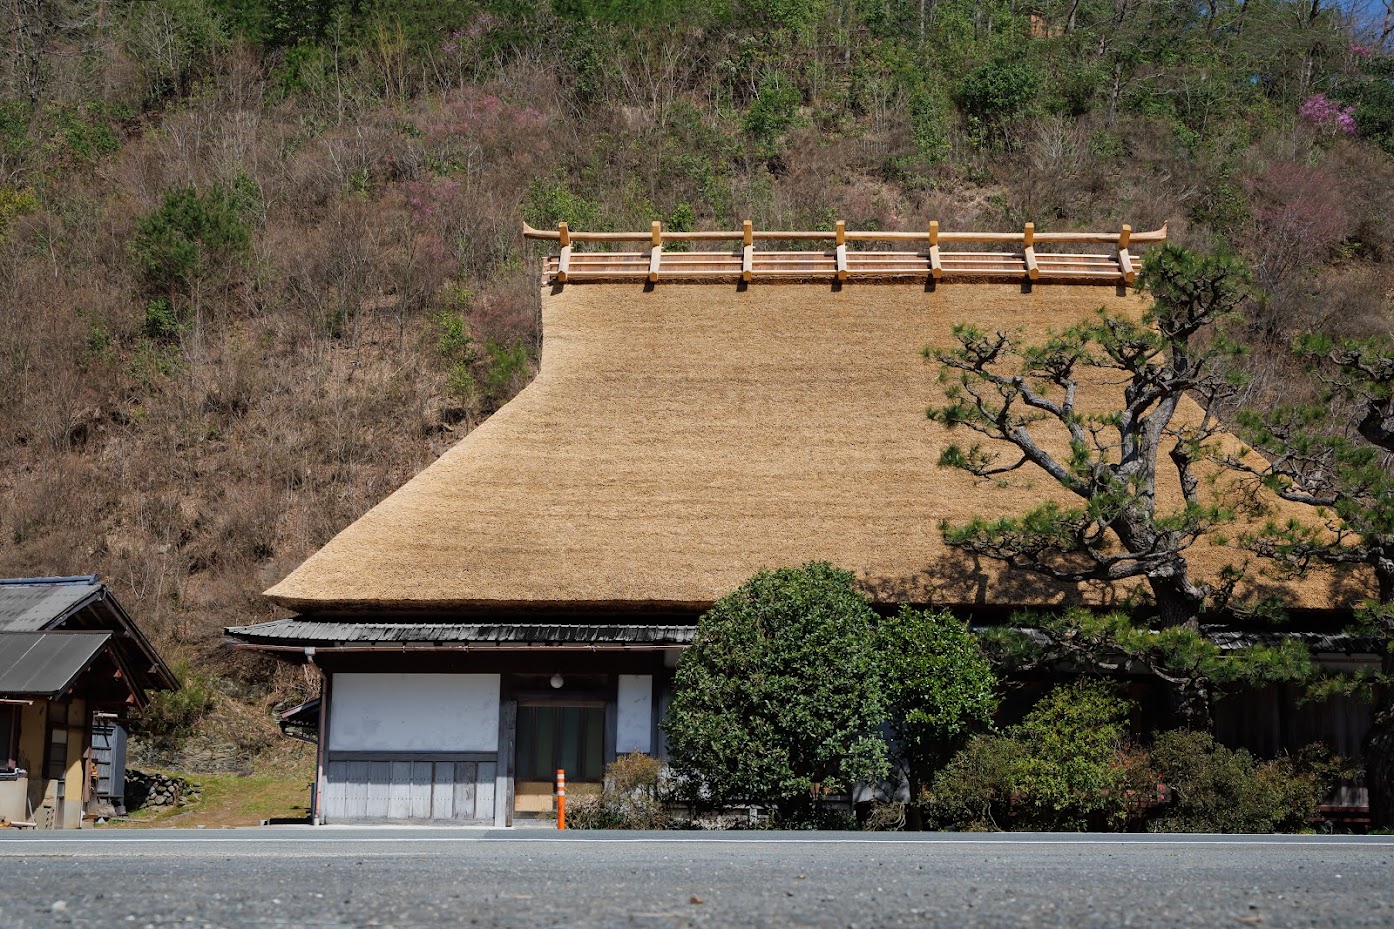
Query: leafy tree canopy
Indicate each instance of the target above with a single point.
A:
(1117, 531)
(940, 687)
(1013, 394)
(779, 698)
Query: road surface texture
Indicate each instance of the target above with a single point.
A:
(535, 879)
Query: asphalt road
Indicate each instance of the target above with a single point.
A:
(335, 877)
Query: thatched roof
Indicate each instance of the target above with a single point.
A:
(680, 438)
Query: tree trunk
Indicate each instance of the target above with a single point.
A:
(1191, 703)
(1179, 602)
(914, 816)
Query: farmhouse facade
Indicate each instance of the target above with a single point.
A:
(519, 606)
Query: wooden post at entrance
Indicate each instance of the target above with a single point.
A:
(561, 799)
(936, 269)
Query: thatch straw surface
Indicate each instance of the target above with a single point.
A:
(677, 440)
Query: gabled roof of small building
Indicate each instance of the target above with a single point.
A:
(680, 438)
(77, 604)
(46, 663)
(28, 604)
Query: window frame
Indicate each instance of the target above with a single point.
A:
(9, 736)
(596, 726)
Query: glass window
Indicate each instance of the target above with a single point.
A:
(57, 753)
(566, 737)
(9, 726)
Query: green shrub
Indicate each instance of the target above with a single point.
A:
(928, 125)
(162, 322)
(14, 128)
(505, 366)
(456, 346)
(773, 112)
(939, 688)
(80, 134)
(548, 204)
(1076, 767)
(14, 203)
(997, 93)
(779, 701)
(190, 234)
(974, 791)
(1067, 766)
(172, 715)
(1216, 789)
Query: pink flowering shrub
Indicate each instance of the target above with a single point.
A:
(1326, 114)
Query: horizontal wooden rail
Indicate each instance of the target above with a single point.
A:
(840, 263)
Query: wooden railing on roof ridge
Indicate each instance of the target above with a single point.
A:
(746, 264)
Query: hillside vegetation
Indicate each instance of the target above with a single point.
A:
(261, 259)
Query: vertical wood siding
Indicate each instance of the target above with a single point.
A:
(364, 790)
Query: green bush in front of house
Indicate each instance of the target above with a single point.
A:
(940, 689)
(1067, 766)
(1217, 789)
(779, 701)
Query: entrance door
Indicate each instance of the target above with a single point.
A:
(553, 736)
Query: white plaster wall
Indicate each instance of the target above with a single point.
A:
(634, 714)
(414, 713)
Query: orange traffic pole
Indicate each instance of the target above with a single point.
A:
(561, 799)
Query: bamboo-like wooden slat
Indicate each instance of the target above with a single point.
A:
(841, 263)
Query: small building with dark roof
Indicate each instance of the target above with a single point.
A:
(73, 665)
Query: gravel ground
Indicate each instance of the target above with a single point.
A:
(392, 877)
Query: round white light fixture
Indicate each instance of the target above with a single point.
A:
(557, 681)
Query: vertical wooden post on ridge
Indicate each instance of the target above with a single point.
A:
(564, 262)
(656, 251)
(1028, 237)
(841, 234)
(1125, 261)
(747, 250)
(936, 268)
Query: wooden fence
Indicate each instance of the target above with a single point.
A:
(744, 263)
